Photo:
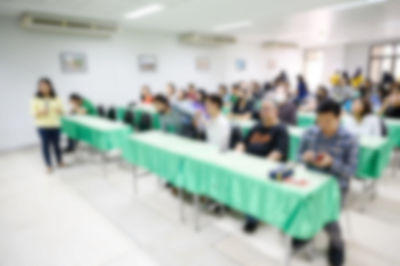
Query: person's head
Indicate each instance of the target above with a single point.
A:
(395, 95)
(328, 117)
(75, 100)
(182, 94)
(268, 112)
(213, 105)
(161, 103)
(191, 88)
(361, 107)
(300, 79)
(346, 78)
(255, 86)
(171, 89)
(322, 94)
(235, 89)
(45, 88)
(222, 90)
(201, 96)
(146, 90)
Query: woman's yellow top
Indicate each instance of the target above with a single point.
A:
(47, 112)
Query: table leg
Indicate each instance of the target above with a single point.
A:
(288, 250)
(196, 212)
(181, 205)
(104, 163)
(134, 179)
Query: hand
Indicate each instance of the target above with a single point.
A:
(308, 156)
(239, 147)
(325, 161)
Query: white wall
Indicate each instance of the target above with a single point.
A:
(113, 76)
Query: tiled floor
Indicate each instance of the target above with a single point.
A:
(78, 216)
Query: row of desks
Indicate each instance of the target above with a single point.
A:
(300, 208)
(238, 180)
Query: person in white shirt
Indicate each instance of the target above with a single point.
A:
(363, 122)
(217, 127)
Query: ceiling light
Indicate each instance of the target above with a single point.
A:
(144, 11)
(355, 4)
(232, 26)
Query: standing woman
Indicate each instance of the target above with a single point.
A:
(47, 109)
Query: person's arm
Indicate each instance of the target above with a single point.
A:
(58, 107)
(305, 154)
(345, 166)
(281, 147)
(241, 146)
(36, 111)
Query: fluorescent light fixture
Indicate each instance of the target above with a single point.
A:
(144, 11)
(232, 26)
(355, 4)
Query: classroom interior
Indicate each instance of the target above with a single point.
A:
(140, 183)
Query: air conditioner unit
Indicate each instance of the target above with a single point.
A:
(63, 24)
(194, 38)
(279, 45)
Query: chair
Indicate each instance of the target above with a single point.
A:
(145, 122)
(101, 111)
(129, 118)
(112, 113)
(235, 137)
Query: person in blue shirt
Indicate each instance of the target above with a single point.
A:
(329, 148)
(302, 90)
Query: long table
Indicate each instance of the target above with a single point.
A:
(239, 181)
(374, 155)
(306, 119)
(97, 132)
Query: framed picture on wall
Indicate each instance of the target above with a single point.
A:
(240, 64)
(202, 63)
(73, 62)
(147, 63)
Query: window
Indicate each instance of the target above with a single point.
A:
(314, 63)
(384, 58)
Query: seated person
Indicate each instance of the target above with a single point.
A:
(191, 92)
(172, 119)
(146, 96)
(223, 93)
(311, 103)
(362, 122)
(243, 107)
(267, 139)
(329, 148)
(217, 128)
(391, 105)
(77, 108)
(171, 92)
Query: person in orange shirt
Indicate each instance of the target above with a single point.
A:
(146, 96)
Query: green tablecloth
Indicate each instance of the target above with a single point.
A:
(138, 111)
(240, 181)
(305, 119)
(373, 157)
(98, 132)
(374, 154)
(393, 126)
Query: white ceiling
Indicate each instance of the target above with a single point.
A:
(303, 21)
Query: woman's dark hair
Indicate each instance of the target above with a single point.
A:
(367, 107)
(48, 82)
